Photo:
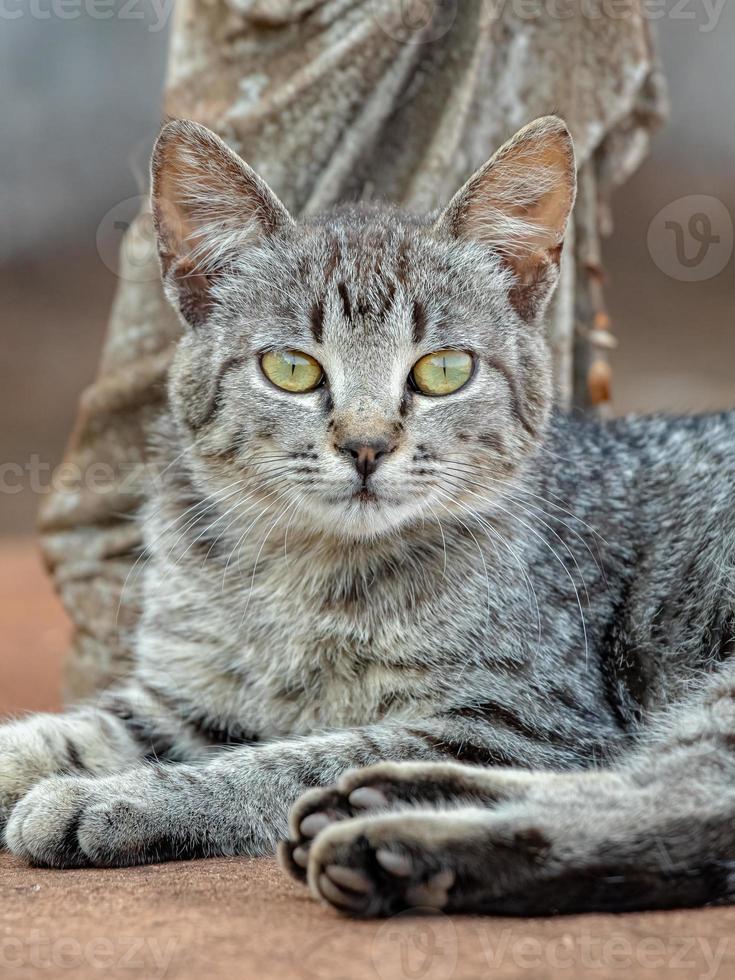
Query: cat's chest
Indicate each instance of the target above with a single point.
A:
(294, 649)
(328, 653)
(278, 642)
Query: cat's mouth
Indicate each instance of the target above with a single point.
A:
(365, 500)
(366, 496)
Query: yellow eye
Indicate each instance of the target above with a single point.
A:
(442, 373)
(292, 370)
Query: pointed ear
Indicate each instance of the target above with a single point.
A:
(519, 204)
(208, 205)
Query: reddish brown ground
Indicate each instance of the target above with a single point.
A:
(244, 919)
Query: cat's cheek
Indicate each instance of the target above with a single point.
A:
(196, 383)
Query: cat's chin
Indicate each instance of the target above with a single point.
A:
(363, 517)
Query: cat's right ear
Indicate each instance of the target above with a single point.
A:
(208, 206)
(519, 205)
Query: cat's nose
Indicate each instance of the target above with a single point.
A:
(367, 456)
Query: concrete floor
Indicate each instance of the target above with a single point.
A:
(238, 918)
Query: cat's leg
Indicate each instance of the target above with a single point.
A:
(121, 729)
(237, 803)
(655, 832)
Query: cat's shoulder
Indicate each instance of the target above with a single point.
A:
(679, 443)
(577, 429)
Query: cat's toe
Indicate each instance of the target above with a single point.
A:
(346, 888)
(390, 785)
(377, 866)
(387, 784)
(43, 827)
(315, 810)
(116, 832)
(312, 813)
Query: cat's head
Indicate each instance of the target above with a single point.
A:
(361, 369)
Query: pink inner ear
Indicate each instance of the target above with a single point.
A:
(519, 202)
(207, 202)
(519, 205)
(189, 190)
(172, 229)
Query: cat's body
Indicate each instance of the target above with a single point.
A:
(400, 629)
(611, 588)
(365, 570)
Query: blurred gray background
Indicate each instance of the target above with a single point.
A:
(80, 108)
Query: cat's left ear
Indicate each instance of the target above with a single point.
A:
(519, 205)
(208, 206)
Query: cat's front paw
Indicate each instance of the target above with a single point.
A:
(44, 826)
(20, 768)
(591, 842)
(70, 821)
(466, 859)
(381, 865)
(391, 786)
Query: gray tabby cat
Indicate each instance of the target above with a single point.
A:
(372, 539)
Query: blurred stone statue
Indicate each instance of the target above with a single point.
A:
(338, 100)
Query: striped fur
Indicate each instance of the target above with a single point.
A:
(513, 588)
